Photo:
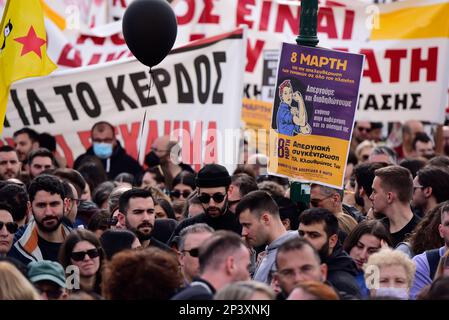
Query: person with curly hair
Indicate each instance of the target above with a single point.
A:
(427, 262)
(149, 274)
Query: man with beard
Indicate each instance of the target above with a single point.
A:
(136, 213)
(43, 236)
(262, 226)
(320, 227)
(212, 183)
(9, 163)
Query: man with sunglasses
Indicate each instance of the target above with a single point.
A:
(360, 133)
(331, 199)
(43, 236)
(223, 259)
(7, 228)
(190, 239)
(212, 183)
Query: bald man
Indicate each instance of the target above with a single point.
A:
(165, 152)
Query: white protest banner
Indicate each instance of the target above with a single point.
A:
(196, 96)
(405, 43)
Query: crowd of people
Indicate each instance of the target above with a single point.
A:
(109, 228)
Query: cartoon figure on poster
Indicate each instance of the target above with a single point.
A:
(291, 120)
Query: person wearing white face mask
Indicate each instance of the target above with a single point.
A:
(105, 147)
(389, 274)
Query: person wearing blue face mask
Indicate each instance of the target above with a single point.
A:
(105, 147)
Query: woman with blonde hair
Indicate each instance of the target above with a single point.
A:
(246, 290)
(389, 273)
(14, 286)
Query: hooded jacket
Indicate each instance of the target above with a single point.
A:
(26, 248)
(117, 163)
(342, 272)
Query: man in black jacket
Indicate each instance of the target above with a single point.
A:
(224, 258)
(212, 183)
(105, 147)
(320, 227)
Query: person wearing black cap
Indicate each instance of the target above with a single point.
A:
(212, 183)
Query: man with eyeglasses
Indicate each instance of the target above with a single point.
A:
(190, 239)
(105, 147)
(7, 228)
(43, 236)
(430, 187)
(9, 163)
(212, 183)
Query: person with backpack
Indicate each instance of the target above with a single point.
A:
(427, 262)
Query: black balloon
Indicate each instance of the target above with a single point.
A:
(149, 29)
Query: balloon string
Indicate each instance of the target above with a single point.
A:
(141, 135)
(150, 84)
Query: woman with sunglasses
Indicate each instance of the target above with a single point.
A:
(82, 249)
(366, 238)
(183, 185)
(7, 229)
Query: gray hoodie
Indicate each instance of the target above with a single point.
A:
(267, 265)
